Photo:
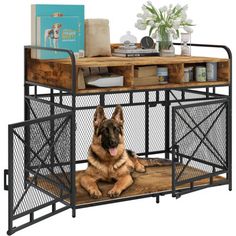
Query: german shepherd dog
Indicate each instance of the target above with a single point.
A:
(108, 160)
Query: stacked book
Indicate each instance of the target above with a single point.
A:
(145, 75)
(57, 26)
(137, 52)
(101, 77)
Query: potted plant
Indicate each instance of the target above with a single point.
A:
(164, 23)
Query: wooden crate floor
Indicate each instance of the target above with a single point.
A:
(154, 180)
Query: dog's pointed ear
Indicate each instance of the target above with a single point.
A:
(118, 115)
(99, 116)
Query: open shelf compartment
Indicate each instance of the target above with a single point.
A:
(58, 73)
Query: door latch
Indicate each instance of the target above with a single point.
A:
(5, 179)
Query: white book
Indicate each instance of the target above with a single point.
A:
(138, 50)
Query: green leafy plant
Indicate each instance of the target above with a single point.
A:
(165, 21)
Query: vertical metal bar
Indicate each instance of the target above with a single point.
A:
(10, 178)
(173, 154)
(167, 124)
(52, 127)
(131, 98)
(207, 92)
(60, 97)
(102, 99)
(157, 96)
(158, 198)
(31, 216)
(35, 91)
(183, 95)
(211, 178)
(73, 133)
(53, 207)
(26, 117)
(213, 90)
(146, 123)
(228, 145)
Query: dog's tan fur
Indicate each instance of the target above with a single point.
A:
(103, 166)
(106, 166)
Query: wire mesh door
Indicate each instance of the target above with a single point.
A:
(199, 145)
(39, 161)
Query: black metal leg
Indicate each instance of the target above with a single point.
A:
(52, 112)
(26, 117)
(73, 212)
(158, 198)
(167, 124)
(228, 144)
(146, 123)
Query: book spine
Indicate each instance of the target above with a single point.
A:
(33, 31)
(135, 54)
(117, 50)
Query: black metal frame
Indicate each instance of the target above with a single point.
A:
(176, 154)
(169, 148)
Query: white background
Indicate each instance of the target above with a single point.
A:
(208, 212)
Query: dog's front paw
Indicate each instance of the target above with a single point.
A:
(114, 192)
(94, 193)
(140, 168)
(116, 166)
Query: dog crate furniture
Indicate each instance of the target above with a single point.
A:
(188, 123)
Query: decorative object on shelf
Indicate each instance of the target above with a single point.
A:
(162, 73)
(188, 74)
(130, 49)
(200, 73)
(145, 71)
(211, 68)
(164, 24)
(147, 42)
(128, 40)
(185, 40)
(145, 75)
(97, 38)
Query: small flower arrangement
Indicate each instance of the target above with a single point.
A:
(165, 21)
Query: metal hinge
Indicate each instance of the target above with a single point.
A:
(5, 179)
(176, 151)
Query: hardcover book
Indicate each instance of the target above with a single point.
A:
(57, 26)
(58, 32)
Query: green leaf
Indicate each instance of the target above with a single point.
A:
(151, 29)
(150, 9)
(154, 9)
(158, 18)
(161, 16)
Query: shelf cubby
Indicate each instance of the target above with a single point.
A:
(58, 73)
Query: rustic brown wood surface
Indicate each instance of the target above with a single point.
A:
(49, 73)
(155, 87)
(152, 80)
(58, 73)
(223, 71)
(126, 71)
(176, 73)
(154, 180)
(125, 61)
